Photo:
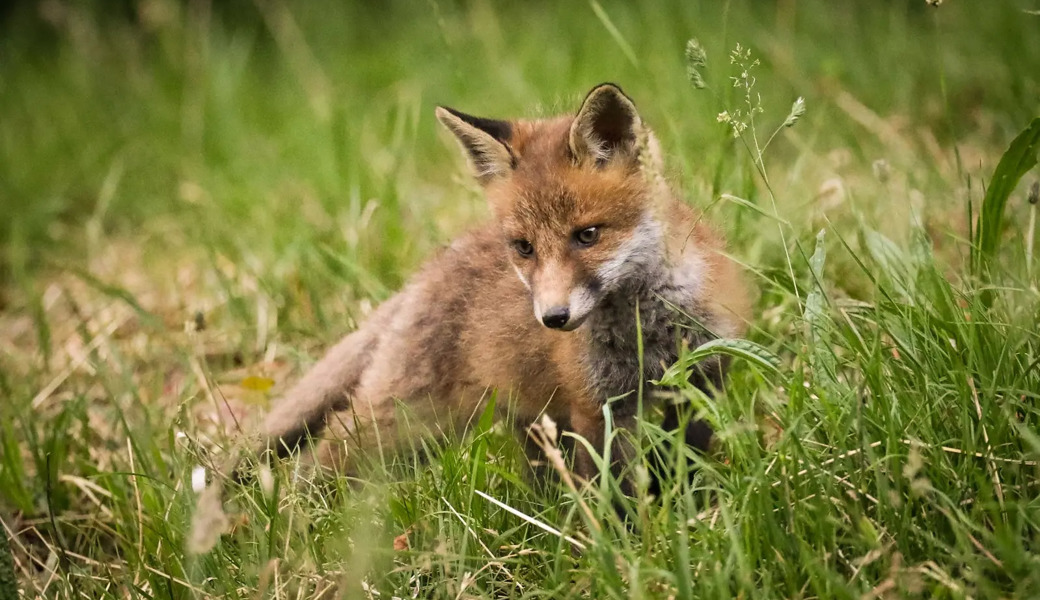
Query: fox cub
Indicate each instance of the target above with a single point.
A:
(539, 303)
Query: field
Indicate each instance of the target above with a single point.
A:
(197, 198)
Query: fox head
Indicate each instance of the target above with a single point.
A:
(569, 199)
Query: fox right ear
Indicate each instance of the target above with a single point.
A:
(606, 127)
(486, 142)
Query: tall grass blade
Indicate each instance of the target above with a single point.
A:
(1020, 156)
(821, 356)
(614, 32)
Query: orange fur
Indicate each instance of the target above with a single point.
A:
(472, 319)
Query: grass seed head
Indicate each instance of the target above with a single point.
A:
(696, 59)
(797, 110)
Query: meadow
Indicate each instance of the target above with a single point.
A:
(197, 198)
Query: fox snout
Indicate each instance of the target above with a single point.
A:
(560, 302)
(567, 316)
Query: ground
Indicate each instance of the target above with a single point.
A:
(197, 198)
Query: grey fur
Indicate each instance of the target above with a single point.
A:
(668, 316)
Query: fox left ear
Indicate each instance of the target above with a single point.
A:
(486, 142)
(607, 127)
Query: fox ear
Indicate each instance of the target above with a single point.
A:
(607, 127)
(486, 142)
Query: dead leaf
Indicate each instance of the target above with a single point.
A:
(401, 542)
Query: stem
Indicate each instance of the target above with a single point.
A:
(1029, 239)
(770, 140)
(776, 214)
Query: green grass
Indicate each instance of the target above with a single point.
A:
(269, 170)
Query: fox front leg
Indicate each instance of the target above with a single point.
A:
(586, 421)
(623, 451)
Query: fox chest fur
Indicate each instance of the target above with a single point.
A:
(588, 269)
(621, 355)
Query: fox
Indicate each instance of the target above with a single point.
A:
(539, 304)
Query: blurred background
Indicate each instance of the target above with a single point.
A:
(268, 165)
(248, 126)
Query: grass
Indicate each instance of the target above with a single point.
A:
(197, 198)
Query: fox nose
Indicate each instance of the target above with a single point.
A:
(556, 317)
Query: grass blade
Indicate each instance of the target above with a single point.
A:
(737, 348)
(1020, 156)
(821, 355)
(614, 32)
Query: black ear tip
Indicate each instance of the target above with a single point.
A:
(500, 130)
(611, 93)
(608, 85)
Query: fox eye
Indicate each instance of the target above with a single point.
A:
(523, 248)
(587, 236)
